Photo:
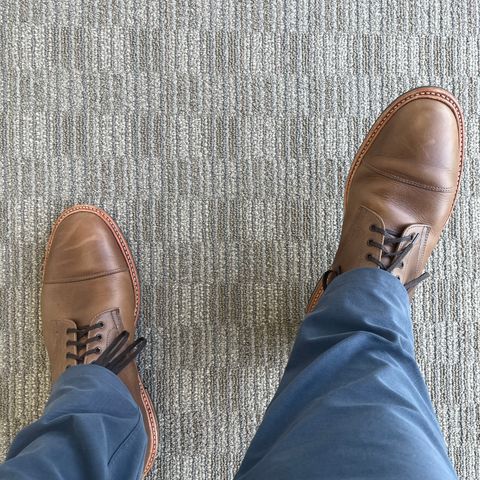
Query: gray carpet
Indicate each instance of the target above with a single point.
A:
(219, 134)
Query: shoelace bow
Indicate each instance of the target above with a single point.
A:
(113, 358)
(397, 256)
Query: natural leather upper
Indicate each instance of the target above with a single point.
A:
(88, 283)
(406, 180)
(85, 275)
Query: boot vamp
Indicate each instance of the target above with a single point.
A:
(85, 277)
(406, 181)
(409, 173)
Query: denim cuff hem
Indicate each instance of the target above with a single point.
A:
(381, 279)
(100, 373)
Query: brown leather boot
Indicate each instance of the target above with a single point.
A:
(91, 294)
(401, 188)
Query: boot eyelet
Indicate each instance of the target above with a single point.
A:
(402, 265)
(372, 228)
(398, 277)
(101, 324)
(99, 336)
(98, 350)
(368, 257)
(369, 243)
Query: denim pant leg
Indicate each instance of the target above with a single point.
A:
(352, 403)
(91, 429)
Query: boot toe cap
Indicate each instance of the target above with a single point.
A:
(82, 246)
(420, 144)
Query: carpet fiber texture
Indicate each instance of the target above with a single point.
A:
(219, 134)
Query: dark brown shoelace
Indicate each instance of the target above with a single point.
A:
(396, 256)
(82, 332)
(115, 357)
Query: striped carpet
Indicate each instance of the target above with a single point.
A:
(219, 133)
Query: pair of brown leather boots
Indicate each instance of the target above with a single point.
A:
(399, 195)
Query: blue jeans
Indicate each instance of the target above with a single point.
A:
(91, 429)
(352, 405)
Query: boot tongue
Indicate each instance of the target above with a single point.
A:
(392, 248)
(414, 234)
(386, 257)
